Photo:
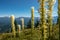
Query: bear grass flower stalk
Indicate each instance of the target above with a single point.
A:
(43, 26)
(19, 28)
(59, 16)
(40, 22)
(32, 17)
(50, 2)
(22, 23)
(32, 21)
(13, 25)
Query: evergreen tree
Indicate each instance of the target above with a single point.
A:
(37, 23)
(29, 24)
(57, 21)
(15, 22)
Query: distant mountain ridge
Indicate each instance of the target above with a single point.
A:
(5, 22)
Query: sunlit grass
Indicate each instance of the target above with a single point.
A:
(26, 35)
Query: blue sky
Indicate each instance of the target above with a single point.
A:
(21, 8)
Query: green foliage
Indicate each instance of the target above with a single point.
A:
(37, 23)
(15, 22)
(29, 24)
